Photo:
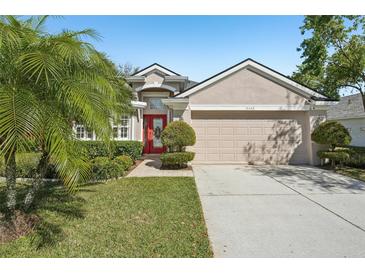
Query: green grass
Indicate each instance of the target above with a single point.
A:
(132, 217)
(356, 173)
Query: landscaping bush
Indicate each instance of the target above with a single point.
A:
(133, 149)
(93, 149)
(331, 133)
(177, 135)
(26, 164)
(357, 156)
(334, 156)
(125, 160)
(176, 159)
(105, 168)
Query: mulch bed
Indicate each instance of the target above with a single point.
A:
(174, 168)
(20, 226)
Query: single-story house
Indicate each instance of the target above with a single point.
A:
(351, 114)
(247, 113)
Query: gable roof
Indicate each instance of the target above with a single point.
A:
(157, 67)
(349, 107)
(259, 68)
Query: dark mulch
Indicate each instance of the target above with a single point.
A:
(176, 168)
(21, 225)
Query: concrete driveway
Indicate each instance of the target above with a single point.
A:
(281, 211)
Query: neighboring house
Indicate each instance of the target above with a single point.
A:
(351, 114)
(247, 113)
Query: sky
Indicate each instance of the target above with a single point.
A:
(193, 46)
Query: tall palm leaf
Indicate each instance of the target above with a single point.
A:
(48, 81)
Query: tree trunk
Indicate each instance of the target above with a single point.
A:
(10, 174)
(363, 99)
(37, 181)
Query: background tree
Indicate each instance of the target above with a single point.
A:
(47, 81)
(127, 69)
(333, 54)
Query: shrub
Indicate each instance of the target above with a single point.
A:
(339, 156)
(176, 159)
(26, 164)
(125, 160)
(177, 135)
(133, 149)
(357, 156)
(105, 168)
(93, 149)
(331, 133)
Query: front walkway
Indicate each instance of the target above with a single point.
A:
(150, 167)
(281, 211)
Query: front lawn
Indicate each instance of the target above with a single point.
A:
(131, 217)
(356, 173)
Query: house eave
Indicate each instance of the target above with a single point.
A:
(248, 107)
(139, 104)
(135, 79)
(175, 103)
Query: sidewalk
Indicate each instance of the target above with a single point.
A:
(150, 167)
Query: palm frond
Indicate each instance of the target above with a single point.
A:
(40, 65)
(71, 166)
(19, 119)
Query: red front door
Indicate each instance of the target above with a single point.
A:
(152, 128)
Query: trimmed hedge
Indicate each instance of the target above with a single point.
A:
(26, 164)
(176, 159)
(105, 168)
(125, 160)
(357, 156)
(335, 156)
(133, 149)
(93, 149)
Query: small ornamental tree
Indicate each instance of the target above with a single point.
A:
(334, 134)
(177, 135)
(331, 133)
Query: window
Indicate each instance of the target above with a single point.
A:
(156, 103)
(122, 131)
(80, 132)
(83, 133)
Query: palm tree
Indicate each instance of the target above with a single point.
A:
(47, 81)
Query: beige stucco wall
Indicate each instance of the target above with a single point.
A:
(137, 127)
(246, 87)
(315, 118)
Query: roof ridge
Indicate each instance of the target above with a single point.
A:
(155, 64)
(258, 63)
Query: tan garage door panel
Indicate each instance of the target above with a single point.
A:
(249, 138)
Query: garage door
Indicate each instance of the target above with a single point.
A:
(250, 137)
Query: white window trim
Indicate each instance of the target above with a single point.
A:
(85, 137)
(130, 133)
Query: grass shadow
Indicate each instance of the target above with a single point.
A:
(53, 205)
